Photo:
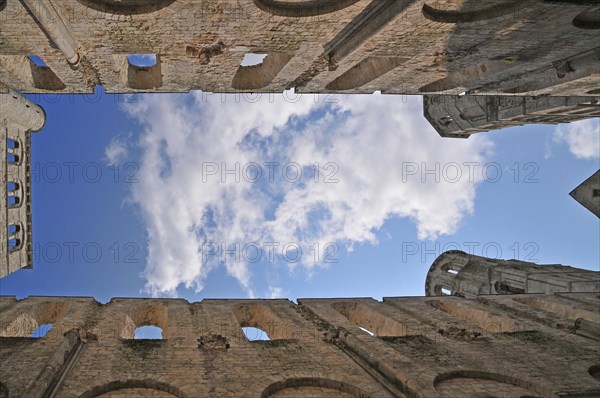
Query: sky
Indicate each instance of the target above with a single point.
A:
(205, 195)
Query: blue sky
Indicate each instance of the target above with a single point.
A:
(139, 195)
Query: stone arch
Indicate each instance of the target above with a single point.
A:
(473, 15)
(126, 7)
(261, 75)
(16, 236)
(146, 314)
(147, 384)
(300, 9)
(262, 317)
(28, 321)
(144, 77)
(471, 382)
(364, 72)
(15, 194)
(369, 318)
(438, 277)
(588, 19)
(14, 149)
(293, 388)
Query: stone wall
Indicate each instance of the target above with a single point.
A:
(505, 47)
(508, 346)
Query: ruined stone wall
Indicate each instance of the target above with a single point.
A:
(508, 346)
(507, 47)
(461, 116)
(458, 273)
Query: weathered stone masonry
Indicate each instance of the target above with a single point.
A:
(441, 48)
(509, 345)
(18, 117)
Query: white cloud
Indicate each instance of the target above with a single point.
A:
(378, 147)
(582, 137)
(115, 151)
(275, 292)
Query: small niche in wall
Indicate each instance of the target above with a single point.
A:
(144, 71)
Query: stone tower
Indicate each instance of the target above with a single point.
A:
(460, 274)
(18, 117)
(588, 194)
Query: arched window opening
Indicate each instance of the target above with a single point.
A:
(370, 320)
(146, 321)
(366, 331)
(446, 292)
(11, 157)
(259, 75)
(13, 201)
(41, 331)
(14, 237)
(260, 322)
(142, 60)
(37, 61)
(12, 151)
(144, 71)
(253, 59)
(255, 334)
(12, 144)
(148, 332)
(13, 193)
